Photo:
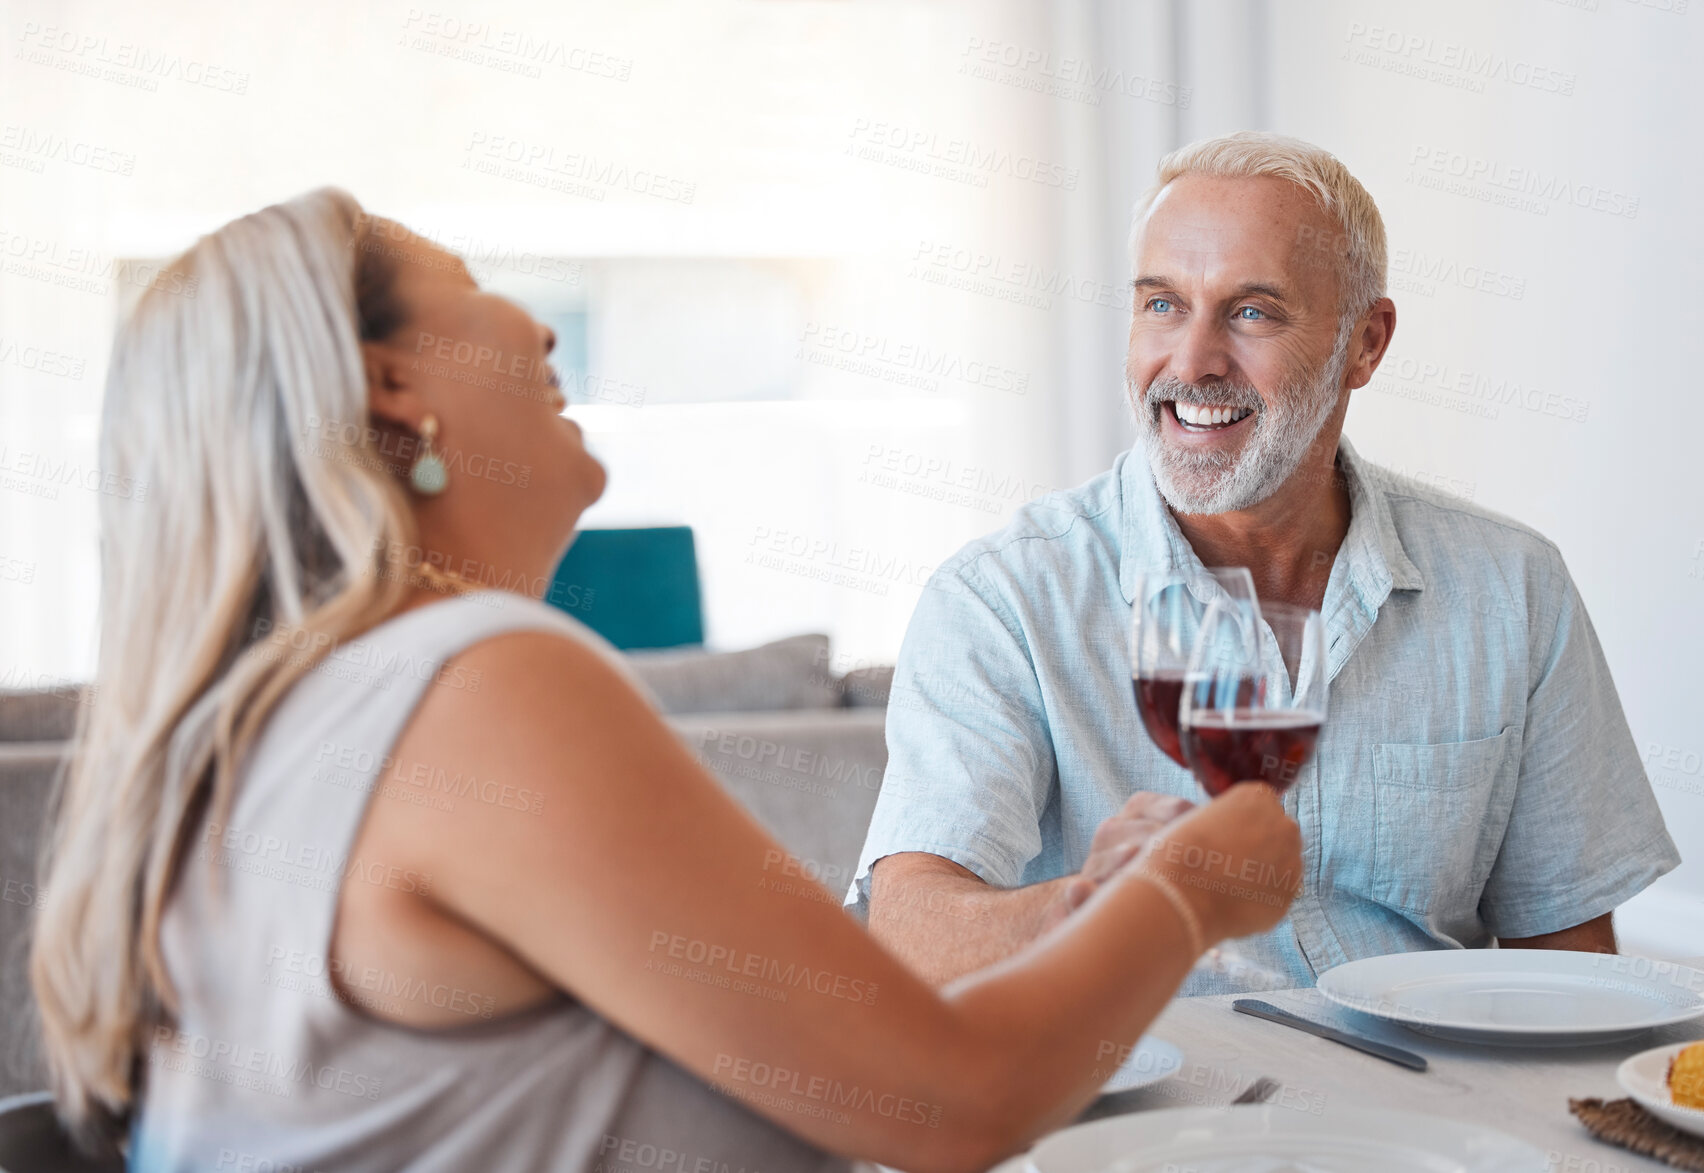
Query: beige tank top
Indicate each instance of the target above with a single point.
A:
(268, 1072)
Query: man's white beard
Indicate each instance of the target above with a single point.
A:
(1283, 431)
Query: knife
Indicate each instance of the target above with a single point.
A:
(1385, 1051)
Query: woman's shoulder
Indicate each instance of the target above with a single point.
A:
(505, 634)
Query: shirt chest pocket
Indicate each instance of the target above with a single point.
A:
(1439, 813)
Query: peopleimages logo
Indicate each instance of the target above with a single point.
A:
(854, 567)
(1019, 282)
(1450, 62)
(40, 475)
(788, 759)
(31, 148)
(513, 50)
(41, 361)
(1675, 767)
(542, 164)
(370, 661)
(1467, 388)
(300, 971)
(1489, 179)
(85, 270)
(945, 157)
(97, 55)
(823, 1090)
(360, 769)
(280, 858)
(257, 1068)
(905, 363)
(1417, 271)
(1074, 78)
(743, 963)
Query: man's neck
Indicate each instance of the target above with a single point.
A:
(1288, 541)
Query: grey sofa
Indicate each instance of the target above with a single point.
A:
(34, 728)
(801, 746)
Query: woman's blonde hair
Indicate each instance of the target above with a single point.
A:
(1360, 256)
(258, 536)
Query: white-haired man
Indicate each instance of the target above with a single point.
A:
(1476, 779)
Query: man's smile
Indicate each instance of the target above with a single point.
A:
(1194, 419)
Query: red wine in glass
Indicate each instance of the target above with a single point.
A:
(1256, 696)
(1164, 621)
(1244, 745)
(1158, 698)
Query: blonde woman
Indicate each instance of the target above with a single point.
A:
(361, 865)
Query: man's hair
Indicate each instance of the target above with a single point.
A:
(1359, 255)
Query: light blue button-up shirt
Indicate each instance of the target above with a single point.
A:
(1475, 777)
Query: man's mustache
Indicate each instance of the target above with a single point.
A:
(1169, 387)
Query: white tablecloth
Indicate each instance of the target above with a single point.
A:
(1523, 1091)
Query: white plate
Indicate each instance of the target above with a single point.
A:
(1645, 1078)
(1149, 1062)
(1266, 1138)
(1520, 996)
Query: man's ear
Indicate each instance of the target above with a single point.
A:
(1371, 342)
(392, 394)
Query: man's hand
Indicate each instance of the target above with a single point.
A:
(1120, 837)
(943, 921)
(1117, 841)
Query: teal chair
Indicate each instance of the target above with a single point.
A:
(638, 588)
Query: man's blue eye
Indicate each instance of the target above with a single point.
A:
(1160, 305)
(1246, 310)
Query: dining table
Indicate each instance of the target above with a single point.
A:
(1521, 1090)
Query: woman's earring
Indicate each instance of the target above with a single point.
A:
(428, 474)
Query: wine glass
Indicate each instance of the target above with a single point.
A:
(1170, 605)
(1254, 699)
(1169, 614)
(1254, 695)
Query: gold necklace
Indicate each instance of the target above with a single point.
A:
(444, 580)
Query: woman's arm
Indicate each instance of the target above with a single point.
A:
(647, 892)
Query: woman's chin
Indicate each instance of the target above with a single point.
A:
(599, 480)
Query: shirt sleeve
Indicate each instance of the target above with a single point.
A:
(1585, 833)
(970, 761)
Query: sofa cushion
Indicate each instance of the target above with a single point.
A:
(27, 772)
(638, 588)
(787, 674)
(811, 778)
(40, 714)
(867, 688)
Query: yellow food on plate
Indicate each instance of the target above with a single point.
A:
(1686, 1077)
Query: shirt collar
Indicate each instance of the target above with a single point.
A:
(1372, 550)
